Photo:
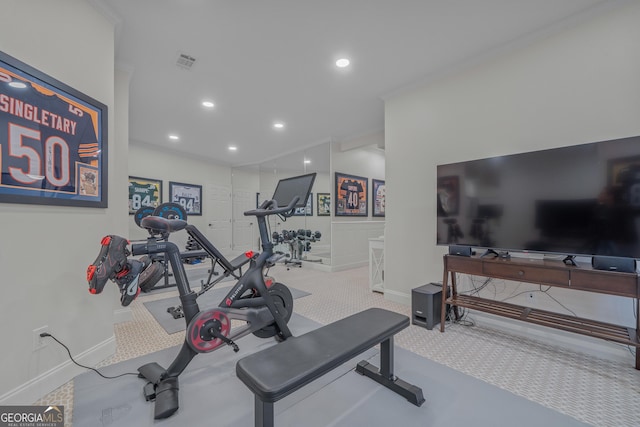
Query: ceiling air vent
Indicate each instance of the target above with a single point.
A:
(185, 61)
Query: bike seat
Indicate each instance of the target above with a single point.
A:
(162, 225)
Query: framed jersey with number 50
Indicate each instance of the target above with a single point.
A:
(53, 140)
(189, 196)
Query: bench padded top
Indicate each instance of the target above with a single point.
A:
(278, 371)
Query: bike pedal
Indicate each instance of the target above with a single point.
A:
(150, 392)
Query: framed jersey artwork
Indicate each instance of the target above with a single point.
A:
(307, 210)
(378, 197)
(53, 140)
(351, 195)
(324, 204)
(189, 196)
(144, 192)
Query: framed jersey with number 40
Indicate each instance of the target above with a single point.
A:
(351, 195)
(53, 140)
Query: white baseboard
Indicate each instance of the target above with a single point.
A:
(399, 297)
(122, 315)
(316, 266)
(344, 267)
(36, 388)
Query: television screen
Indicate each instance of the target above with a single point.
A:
(577, 200)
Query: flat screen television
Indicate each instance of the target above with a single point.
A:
(581, 200)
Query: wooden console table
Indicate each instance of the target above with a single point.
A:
(547, 273)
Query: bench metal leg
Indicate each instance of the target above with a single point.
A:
(385, 375)
(386, 358)
(263, 413)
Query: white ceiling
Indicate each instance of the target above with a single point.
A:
(267, 60)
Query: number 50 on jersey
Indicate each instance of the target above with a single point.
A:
(53, 146)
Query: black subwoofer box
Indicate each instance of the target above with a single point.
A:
(612, 263)
(426, 305)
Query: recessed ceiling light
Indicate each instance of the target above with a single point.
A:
(207, 104)
(233, 148)
(174, 137)
(18, 85)
(342, 62)
(306, 162)
(278, 125)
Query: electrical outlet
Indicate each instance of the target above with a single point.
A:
(38, 341)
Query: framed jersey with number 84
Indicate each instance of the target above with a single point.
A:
(189, 196)
(144, 192)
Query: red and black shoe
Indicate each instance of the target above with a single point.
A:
(128, 280)
(110, 261)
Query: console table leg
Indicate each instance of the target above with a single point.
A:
(638, 323)
(454, 292)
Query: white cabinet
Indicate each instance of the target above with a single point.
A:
(376, 264)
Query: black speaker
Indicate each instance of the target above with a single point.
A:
(426, 305)
(460, 250)
(612, 263)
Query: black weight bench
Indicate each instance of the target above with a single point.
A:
(278, 371)
(184, 257)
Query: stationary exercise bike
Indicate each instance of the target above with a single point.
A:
(265, 308)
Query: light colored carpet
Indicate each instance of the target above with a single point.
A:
(597, 391)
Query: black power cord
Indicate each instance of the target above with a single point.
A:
(45, 334)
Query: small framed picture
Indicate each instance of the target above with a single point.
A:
(307, 210)
(323, 204)
(189, 196)
(378, 197)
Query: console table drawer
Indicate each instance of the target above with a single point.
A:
(522, 273)
(612, 283)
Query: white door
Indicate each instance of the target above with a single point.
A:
(219, 217)
(244, 227)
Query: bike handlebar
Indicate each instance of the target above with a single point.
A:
(270, 207)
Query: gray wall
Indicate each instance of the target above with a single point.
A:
(577, 85)
(45, 250)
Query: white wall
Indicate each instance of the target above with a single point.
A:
(576, 86)
(350, 235)
(45, 250)
(150, 162)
